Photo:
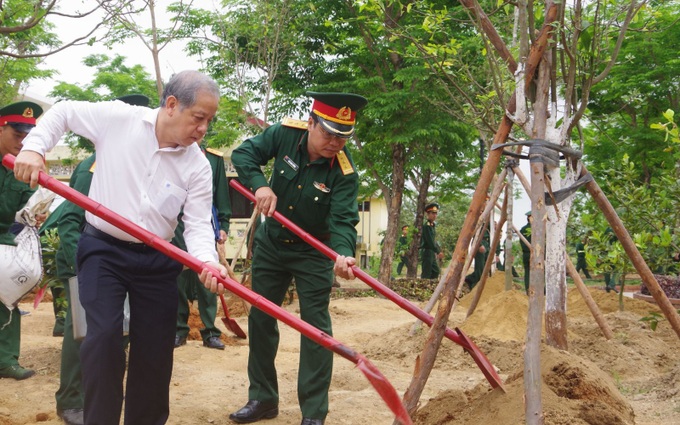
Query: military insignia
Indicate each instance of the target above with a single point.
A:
(322, 187)
(344, 113)
(345, 165)
(290, 122)
(290, 163)
(92, 167)
(214, 151)
(28, 113)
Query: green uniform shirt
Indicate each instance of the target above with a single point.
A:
(526, 232)
(14, 195)
(317, 196)
(220, 198)
(428, 240)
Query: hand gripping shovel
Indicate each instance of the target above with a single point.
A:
(379, 382)
(456, 335)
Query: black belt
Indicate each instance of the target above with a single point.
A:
(322, 238)
(136, 246)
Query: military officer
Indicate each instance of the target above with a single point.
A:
(526, 251)
(430, 251)
(581, 257)
(402, 247)
(16, 120)
(480, 258)
(188, 282)
(314, 183)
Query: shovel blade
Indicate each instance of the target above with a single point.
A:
(234, 327)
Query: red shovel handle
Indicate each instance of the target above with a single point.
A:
(379, 382)
(456, 336)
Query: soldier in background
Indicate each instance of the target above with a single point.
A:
(430, 251)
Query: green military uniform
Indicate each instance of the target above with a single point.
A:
(429, 248)
(402, 247)
(581, 259)
(526, 252)
(480, 259)
(15, 194)
(71, 221)
(321, 197)
(57, 291)
(16, 120)
(610, 276)
(188, 282)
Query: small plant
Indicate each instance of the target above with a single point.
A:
(652, 319)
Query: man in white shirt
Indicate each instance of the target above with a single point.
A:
(149, 167)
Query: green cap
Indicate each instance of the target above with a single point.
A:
(337, 111)
(433, 206)
(20, 115)
(528, 213)
(135, 99)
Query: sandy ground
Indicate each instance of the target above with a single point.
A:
(632, 379)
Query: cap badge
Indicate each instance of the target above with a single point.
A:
(28, 113)
(344, 113)
(322, 187)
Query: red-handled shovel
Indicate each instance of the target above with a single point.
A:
(379, 382)
(456, 336)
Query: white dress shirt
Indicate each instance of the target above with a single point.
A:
(134, 177)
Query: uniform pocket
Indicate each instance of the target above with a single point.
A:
(170, 199)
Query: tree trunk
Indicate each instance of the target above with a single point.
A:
(395, 200)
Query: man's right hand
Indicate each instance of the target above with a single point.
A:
(27, 167)
(265, 201)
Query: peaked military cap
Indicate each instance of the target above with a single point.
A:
(433, 206)
(528, 213)
(135, 99)
(20, 115)
(337, 111)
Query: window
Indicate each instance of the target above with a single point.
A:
(240, 206)
(365, 206)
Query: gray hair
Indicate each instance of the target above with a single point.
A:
(185, 85)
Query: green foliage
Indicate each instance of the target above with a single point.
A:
(50, 243)
(653, 319)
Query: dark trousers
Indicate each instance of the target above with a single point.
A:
(581, 265)
(526, 262)
(401, 265)
(188, 283)
(70, 392)
(107, 271)
(430, 268)
(10, 336)
(274, 266)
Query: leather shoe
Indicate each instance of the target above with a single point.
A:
(310, 421)
(71, 416)
(253, 411)
(180, 341)
(16, 372)
(213, 342)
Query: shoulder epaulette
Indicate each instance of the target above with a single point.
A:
(92, 167)
(214, 151)
(291, 122)
(344, 163)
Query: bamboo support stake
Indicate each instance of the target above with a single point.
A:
(590, 302)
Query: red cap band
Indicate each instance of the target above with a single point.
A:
(344, 115)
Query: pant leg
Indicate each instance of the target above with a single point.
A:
(207, 309)
(10, 336)
(313, 280)
(153, 311)
(183, 282)
(70, 393)
(58, 297)
(271, 281)
(428, 260)
(526, 262)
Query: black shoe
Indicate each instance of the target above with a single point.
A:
(71, 416)
(16, 372)
(253, 411)
(310, 421)
(213, 342)
(180, 341)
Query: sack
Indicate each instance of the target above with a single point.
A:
(21, 265)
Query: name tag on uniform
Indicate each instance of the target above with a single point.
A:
(290, 163)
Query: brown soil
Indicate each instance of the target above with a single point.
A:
(632, 379)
